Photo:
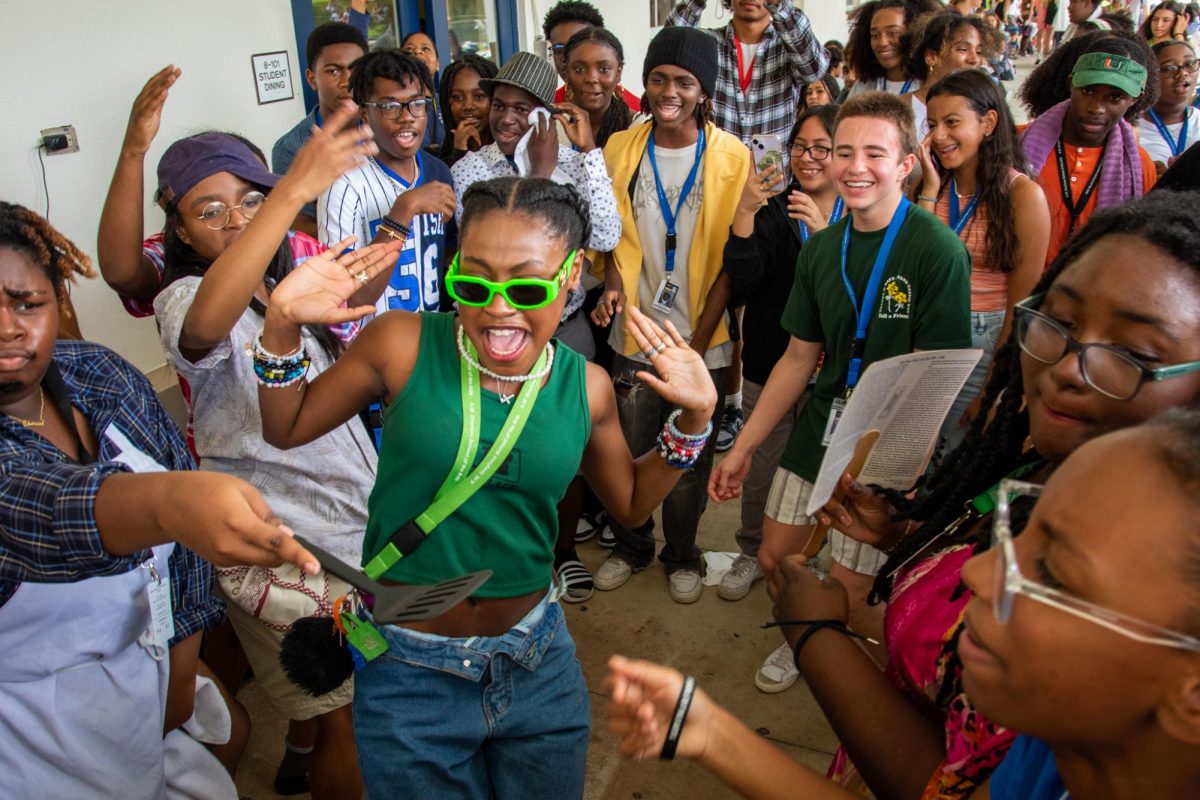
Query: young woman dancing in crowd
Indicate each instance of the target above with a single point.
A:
(973, 178)
(671, 176)
(93, 675)
(1172, 125)
(1141, 331)
(877, 44)
(1075, 609)
(594, 60)
(940, 45)
(1081, 144)
(464, 106)
(427, 717)
(219, 274)
(769, 228)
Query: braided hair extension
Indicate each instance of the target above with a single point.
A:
(1050, 84)
(937, 31)
(57, 256)
(481, 67)
(999, 153)
(560, 207)
(618, 116)
(1166, 222)
(859, 55)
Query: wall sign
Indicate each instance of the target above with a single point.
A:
(272, 77)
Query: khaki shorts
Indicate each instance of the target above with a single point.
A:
(787, 503)
(262, 646)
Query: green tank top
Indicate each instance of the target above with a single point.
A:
(511, 523)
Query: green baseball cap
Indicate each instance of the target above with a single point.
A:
(1111, 70)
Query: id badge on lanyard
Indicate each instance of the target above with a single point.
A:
(668, 290)
(836, 409)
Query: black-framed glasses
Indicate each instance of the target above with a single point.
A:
(216, 215)
(1107, 369)
(1190, 66)
(817, 152)
(392, 109)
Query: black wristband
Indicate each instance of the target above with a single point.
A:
(820, 624)
(682, 705)
(388, 222)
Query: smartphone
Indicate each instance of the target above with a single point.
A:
(766, 150)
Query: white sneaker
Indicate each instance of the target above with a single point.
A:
(778, 672)
(735, 584)
(612, 573)
(685, 585)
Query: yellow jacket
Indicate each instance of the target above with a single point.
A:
(726, 164)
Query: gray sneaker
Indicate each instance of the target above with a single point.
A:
(612, 573)
(735, 584)
(686, 585)
(778, 672)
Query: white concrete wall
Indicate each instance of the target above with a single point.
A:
(630, 21)
(82, 63)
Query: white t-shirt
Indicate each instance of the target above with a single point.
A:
(884, 85)
(673, 167)
(1152, 140)
(920, 116)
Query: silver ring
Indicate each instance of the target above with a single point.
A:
(362, 278)
(660, 347)
(650, 354)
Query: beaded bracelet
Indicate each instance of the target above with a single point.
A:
(275, 371)
(681, 450)
(391, 224)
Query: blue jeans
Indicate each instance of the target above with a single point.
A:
(480, 717)
(985, 335)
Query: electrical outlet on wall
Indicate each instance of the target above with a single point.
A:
(61, 140)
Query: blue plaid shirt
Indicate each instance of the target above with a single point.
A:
(48, 530)
(788, 57)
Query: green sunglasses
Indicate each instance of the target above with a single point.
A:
(523, 293)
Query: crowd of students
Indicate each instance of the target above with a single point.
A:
(468, 318)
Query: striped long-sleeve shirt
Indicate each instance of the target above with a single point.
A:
(788, 57)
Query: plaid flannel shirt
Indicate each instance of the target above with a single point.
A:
(48, 530)
(789, 56)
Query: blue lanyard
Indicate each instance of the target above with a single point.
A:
(834, 216)
(665, 205)
(908, 82)
(957, 221)
(858, 348)
(1177, 147)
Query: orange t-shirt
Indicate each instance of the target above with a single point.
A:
(1081, 163)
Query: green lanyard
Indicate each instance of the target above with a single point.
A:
(984, 504)
(459, 486)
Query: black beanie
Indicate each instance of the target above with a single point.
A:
(686, 48)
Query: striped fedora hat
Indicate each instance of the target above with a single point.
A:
(529, 72)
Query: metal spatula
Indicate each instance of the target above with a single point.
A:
(399, 604)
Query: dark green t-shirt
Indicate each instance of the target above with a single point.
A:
(924, 303)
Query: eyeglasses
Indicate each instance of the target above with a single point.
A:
(817, 152)
(1110, 371)
(1010, 583)
(1189, 66)
(216, 215)
(392, 109)
(523, 293)
(557, 50)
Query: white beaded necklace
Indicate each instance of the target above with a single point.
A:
(502, 379)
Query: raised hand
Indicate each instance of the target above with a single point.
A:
(641, 703)
(803, 208)
(760, 187)
(612, 303)
(146, 115)
(315, 292)
(682, 379)
(334, 149)
(543, 148)
(577, 125)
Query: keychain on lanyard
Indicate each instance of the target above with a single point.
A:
(838, 207)
(1177, 147)
(957, 221)
(664, 298)
(859, 346)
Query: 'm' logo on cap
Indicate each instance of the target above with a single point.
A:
(1108, 62)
